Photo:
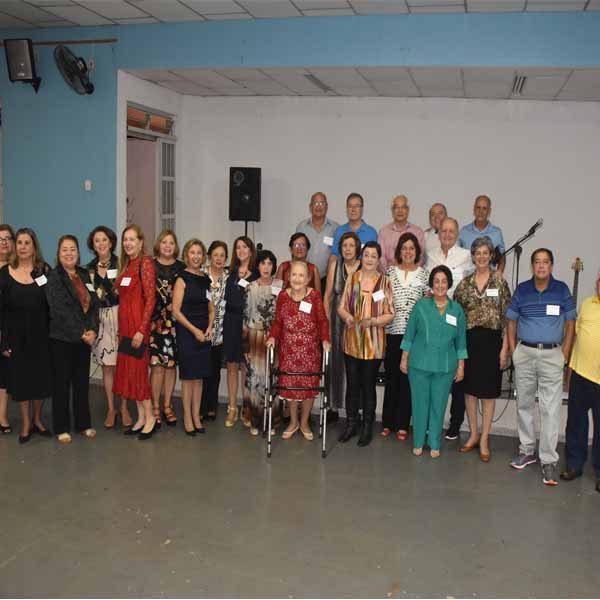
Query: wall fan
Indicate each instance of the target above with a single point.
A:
(74, 70)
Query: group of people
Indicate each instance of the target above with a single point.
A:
(432, 304)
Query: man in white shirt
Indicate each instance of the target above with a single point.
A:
(437, 213)
(459, 261)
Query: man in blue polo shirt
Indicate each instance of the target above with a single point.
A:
(541, 323)
(354, 210)
(481, 226)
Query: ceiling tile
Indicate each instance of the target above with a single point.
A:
(548, 6)
(357, 92)
(270, 9)
(51, 2)
(318, 4)
(328, 12)
(113, 9)
(185, 87)
(208, 77)
(229, 17)
(443, 93)
(593, 5)
(495, 5)
(268, 88)
(169, 11)
(55, 24)
(542, 87)
(376, 74)
(295, 80)
(488, 75)
(379, 7)
(583, 79)
(156, 75)
(137, 21)
(544, 72)
(475, 89)
(404, 88)
(580, 95)
(345, 77)
(244, 74)
(213, 7)
(79, 15)
(437, 77)
(12, 22)
(26, 12)
(450, 8)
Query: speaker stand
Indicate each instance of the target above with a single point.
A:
(246, 228)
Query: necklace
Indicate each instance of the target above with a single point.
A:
(104, 264)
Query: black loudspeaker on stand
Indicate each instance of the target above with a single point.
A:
(244, 194)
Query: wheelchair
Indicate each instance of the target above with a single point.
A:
(273, 389)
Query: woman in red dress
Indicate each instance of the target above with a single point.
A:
(301, 326)
(135, 284)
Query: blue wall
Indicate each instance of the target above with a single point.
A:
(56, 139)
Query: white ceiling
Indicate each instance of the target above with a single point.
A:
(68, 13)
(490, 83)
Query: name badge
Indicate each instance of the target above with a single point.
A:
(208, 296)
(328, 240)
(125, 281)
(243, 283)
(305, 307)
(90, 287)
(275, 290)
(492, 293)
(451, 320)
(41, 280)
(378, 296)
(112, 273)
(553, 310)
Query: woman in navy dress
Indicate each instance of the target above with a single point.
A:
(194, 314)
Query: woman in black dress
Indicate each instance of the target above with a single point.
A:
(242, 271)
(25, 333)
(7, 236)
(194, 313)
(163, 346)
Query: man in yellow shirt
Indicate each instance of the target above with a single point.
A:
(584, 391)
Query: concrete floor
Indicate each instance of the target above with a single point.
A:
(212, 517)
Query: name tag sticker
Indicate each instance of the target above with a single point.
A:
(451, 320)
(553, 310)
(492, 293)
(112, 273)
(328, 240)
(41, 280)
(378, 296)
(208, 296)
(275, 290)
(305, 307)
(90, 287)
(125, 281)
(243, 283)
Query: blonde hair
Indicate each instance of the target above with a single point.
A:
(161, 236)
(123, 257)
(188, 247)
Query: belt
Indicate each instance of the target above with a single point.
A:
(540, 346)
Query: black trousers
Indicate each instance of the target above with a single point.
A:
(397, 407)
(457, 408)
(70, 383)
(210, 386)
(361, 376)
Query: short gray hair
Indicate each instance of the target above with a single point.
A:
(482, 241)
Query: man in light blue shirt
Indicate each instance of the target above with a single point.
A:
(354, 210)
(481, 226)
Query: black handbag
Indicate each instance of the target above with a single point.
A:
(125, 347)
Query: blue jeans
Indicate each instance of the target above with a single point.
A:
(583, 396)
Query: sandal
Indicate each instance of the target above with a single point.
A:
(401, 435)
(64, 438)
(5, 428)
(289, 433)
(169, 416)
(232, 416)
(89, 433)
(385, 432)
(156, 415)
(308, 435)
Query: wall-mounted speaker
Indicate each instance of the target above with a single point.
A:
(244, 194)
(21, 61)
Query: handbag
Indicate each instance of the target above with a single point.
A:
(125, 347)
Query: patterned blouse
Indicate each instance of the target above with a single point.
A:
(407, 288)
(369, 343)
(488, 308)
(105, 286)
(217, 290)
(259, 312)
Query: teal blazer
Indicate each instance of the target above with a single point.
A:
(435, 342)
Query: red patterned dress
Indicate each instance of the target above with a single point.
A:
(136, 303)
(300, 335)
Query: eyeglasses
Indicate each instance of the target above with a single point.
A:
(353, 206)
(5, 240)
(319, 203)
(298, 245)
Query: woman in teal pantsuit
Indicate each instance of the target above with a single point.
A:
(434, 351)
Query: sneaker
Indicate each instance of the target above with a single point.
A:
(521, 461)
(452, 433)
(550, 474)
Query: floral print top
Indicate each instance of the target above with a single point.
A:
(217, 290)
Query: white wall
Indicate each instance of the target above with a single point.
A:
(534, 159)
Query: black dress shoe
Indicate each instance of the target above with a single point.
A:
(570, 474)
(333, 416)
(349, 432)
(366, 435)
(23, 439)
(42, 432)
(132, 431)
(191, 433)
(147, 435)
(200, 429)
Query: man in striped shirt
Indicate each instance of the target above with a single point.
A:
(541, 323)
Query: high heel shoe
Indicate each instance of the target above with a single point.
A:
(191, 433)
(5, 428)
(148, 434)
(23, 439)
(232, 416)
(200, 429)
(132, 431)
(42, 432)
(126, 419)
(169, 416)
(108, 422)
